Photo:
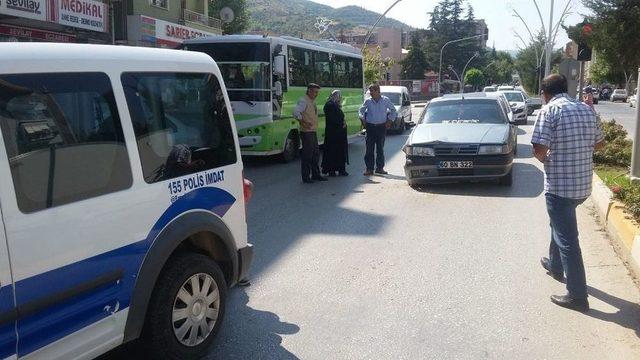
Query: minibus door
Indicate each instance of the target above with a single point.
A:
(7, 303)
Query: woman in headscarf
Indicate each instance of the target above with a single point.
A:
(336, 151)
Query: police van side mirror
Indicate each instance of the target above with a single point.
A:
(278, 65)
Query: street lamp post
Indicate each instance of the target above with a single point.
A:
(366, 38)
(445, 45)
(464, 70)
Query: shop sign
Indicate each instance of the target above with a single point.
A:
(171, 34)
(84, 14)
(28, 33)
(31, 9)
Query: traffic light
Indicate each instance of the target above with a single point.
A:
(584, 50)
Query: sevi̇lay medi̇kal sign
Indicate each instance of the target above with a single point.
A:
(31, 9)
(84, 14)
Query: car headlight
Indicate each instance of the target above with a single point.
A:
(419, 151)
(494, 149)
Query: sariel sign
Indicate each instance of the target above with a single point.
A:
(84, 14)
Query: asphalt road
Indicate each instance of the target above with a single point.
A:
(369, 268)
(621, 112)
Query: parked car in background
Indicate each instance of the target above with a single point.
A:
(489, 89)
(533, 104)
(518, 106)
(399, 96)
(461, 137)
(619, 95)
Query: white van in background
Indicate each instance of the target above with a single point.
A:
(122, 201)
(399, 96)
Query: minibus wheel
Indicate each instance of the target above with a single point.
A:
(186, 308)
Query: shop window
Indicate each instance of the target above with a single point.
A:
(160, 3)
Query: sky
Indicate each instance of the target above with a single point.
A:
(497, 13)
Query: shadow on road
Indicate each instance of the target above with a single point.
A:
(248, 333)
(527, 183)
(521, 131)
(525, 151)
(628, 314)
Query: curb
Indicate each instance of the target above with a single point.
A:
(624, 232)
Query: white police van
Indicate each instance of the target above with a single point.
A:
(122, 201)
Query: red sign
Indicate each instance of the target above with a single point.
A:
(23, 32)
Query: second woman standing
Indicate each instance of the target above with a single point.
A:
(336, 147)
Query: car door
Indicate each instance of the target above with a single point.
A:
(7, 304)
(67, 214)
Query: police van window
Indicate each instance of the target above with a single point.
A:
(63, 138)
(181, 123)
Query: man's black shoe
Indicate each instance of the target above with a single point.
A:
(308, 181)
(566, 301)
(319, 178)
(546, 265)
(343, 173)
(381, 172)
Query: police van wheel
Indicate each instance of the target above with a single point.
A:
(186, 308)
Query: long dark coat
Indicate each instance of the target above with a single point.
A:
(336, 147)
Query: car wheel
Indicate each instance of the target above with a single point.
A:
(290, 151)
(507, 180)
(186, 308)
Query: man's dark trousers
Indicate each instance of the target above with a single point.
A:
(310, 155)
(564, 250)
(376, 134)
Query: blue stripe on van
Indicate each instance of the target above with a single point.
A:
(8, 331)
(51, 324)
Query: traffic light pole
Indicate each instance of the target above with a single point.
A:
(635, 155)
(581, 82)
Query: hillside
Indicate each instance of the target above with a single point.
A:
(297, 17)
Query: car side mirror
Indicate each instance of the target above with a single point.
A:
(279, 65)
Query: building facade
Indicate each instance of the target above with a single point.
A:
(162, 23)
(82, 21)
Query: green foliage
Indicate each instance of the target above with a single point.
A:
(617, 149)
(500, 67)
(526, 63)
(240, 22)
(374, 65)
(415, 64)
(615, 35)
(474, 77)
(448, 22)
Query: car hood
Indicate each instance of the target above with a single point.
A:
(460, 133)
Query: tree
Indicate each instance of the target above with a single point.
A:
(526, 64)
(374, 65)
(240, 21)
(499, 68)
(415, 64)
(474, 77)
(615, 34)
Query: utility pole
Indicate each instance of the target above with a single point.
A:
(635, 155)
(550, 37)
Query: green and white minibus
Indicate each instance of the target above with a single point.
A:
(266, 76)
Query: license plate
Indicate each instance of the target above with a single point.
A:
(456, 165)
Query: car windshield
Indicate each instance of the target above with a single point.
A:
(394, 97)
(464, 111)
(514, 96)
(619, 91)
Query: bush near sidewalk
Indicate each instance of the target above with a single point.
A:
(612, 166)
